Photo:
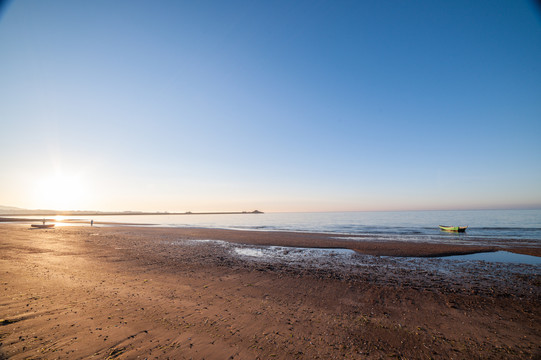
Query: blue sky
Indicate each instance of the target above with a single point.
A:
(277, 106)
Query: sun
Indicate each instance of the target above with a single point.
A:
(60, 192)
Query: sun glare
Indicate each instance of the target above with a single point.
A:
(60, 192)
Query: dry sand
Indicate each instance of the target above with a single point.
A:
(126, 292)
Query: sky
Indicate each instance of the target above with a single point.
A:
(270, 105)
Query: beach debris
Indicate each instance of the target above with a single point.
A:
(116, 352)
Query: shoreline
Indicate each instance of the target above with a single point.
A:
(370, 244)
(158, 292)
(361, 243)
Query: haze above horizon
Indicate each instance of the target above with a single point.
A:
(278, 106)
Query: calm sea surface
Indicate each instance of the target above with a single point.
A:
(497, 225)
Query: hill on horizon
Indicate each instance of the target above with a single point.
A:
(10, 208)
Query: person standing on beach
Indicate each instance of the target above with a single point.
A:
(91, 222)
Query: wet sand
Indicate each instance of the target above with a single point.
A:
(129, 292)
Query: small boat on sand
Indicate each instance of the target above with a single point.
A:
(42, 226)
(453, 228)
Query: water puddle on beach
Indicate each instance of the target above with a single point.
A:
(291, 253)
(498, 256)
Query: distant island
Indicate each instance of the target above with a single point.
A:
(13, 211)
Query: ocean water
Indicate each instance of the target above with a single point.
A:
(523, 226)
(516, 225)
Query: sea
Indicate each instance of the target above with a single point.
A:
(516, 225)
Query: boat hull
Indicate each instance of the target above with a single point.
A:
(40, 226)
(453, 228)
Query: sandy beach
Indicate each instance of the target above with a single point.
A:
(133, 292)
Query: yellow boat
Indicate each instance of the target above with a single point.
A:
(453, 228)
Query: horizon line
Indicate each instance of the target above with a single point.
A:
(170, 212)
